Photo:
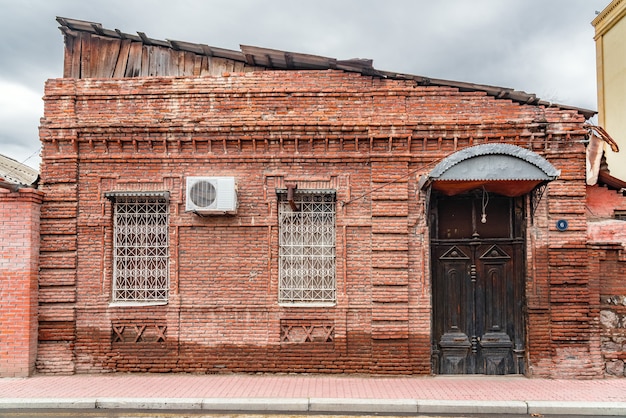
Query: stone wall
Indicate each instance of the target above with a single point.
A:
(609, 267)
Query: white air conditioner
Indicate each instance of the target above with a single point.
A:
(211, 195)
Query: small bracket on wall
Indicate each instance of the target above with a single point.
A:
(291, 188)
(535, 198)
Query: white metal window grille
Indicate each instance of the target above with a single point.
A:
(307, 248)
(140, 244)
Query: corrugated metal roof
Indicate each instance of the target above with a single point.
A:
(501, 168)
(284, 60)
(17, 173)
(494, 162)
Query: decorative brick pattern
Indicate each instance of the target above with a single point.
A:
(138, 333)
(293, 331)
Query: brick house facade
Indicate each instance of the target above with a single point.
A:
(350, 239)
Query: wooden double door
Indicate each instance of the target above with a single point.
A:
(477, 284)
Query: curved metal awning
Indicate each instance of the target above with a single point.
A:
(500, 168)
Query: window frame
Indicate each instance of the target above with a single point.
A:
(150, 256)
(319, 254)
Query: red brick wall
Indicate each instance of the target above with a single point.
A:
(367, 138)
(602, 202)
(19, 255)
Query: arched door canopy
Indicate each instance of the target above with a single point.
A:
(505, 169)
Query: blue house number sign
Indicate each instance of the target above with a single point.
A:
(561, 224)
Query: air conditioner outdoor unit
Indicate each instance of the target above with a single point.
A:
(211, 195)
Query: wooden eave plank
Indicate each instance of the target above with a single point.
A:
(289, 60)
(71, 62)
(190, 61)
(159, 42)
(149, 41)
(133, 67)
(154, 59)
(144, 38)
(197, 65)
(238, 66)
(180, 62)
(122, 59)
(107, 55)
(228, 54)
(145, 61)
(128, 36)
(80, 25)
(204, 70)
(110, 33)
(314, 60)
(187, 46)
(304, 61)
(357, 65)
(308, 62)
(220, 66)
(174, 68)
(160, 61)
(85, 56)
(251, 60)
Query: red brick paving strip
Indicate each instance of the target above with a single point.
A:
(287, 386)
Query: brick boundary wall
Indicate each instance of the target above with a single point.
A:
(19, 267)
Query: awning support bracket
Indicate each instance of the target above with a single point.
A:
(535, 198)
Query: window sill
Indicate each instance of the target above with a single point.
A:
(138, 303)
(307, 304)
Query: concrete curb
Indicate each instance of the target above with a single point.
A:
(471, 407)
(256, 404)
(577, 408)
(347, 406)
(371, 406)
(47, 403)
(149, 403)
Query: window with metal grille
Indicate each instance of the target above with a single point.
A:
(307, 247)
(140, 249)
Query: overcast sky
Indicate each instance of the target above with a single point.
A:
(544, 47)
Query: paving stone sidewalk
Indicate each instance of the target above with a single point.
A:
(321, 393)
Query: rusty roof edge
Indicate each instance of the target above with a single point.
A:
(495, 91)
(302, 61)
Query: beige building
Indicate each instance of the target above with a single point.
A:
(610, 37)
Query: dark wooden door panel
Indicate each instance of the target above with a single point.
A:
(477, 291)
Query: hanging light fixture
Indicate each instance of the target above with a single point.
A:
(485, 202)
